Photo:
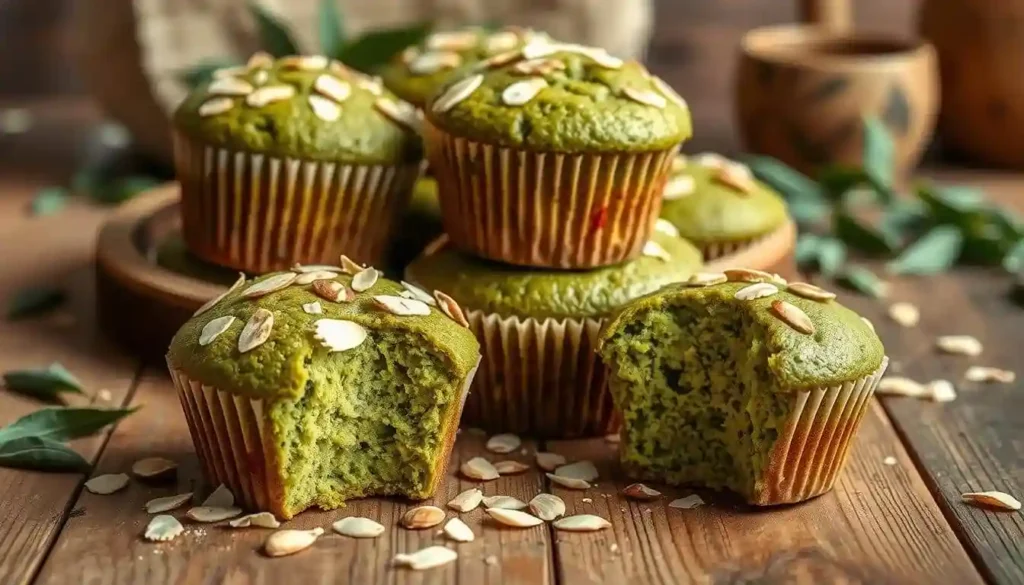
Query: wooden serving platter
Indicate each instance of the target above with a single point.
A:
(148, 286)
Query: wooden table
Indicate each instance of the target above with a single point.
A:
(883, 524)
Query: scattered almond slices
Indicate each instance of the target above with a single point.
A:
(287, 542)
(365, 279)
(959, 345)
(107, 483)
(639, 491)
(510, 467)
(208, 514)
(666, 227)
(669, 92)
(809, 291)
(402, 306)
(581, 523)
(678, 187)
(456, 92)
(231, 86)
(270, 284)
(645, 96)
(793, 316)
(748, 275)
(323, 108)
(583, 469)
(735, 176)
(691, 501)
(400, 112)
(162, 528)
(339, 334)
(569, 482)
(458, 531)
(167, 503)
(905, 314)
(521, 92)
(655, 250)
(308, 277)
(350, 266)
(215, 106)
(220, 498)
(154, 468)
(549, 461)
(901, 386)
(757, 290)
(941, 391)
(514, 518)
(256, 331)
(451, 308)
(269, 94)
(419, 294)
(210, 303)
(333, 291)
(467, 500)
(427, 558)
(504, 443)
(357, 527)
(504, 502)
(214, 328)
(998, 500)
(259, 520)
(332, 87)
(313, 308)
(706, 279)
(480, 469)
(989, 374)
(889, 460)
(422, 517)
(547, 507)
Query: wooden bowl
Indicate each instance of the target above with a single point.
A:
(801, 92)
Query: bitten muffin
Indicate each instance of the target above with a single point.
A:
(292, 160)
(310, 387)
(553, 156)
(421, 224)
(749, 384)
(538, 329)
(419, 71)
(719, 206)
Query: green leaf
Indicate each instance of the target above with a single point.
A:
(831, 256)
(1014, 259)
(199, 74)
(33, 301)
(864, 281)
(861, 236)
(806, 252)
(62, 424)
(878, 154)
(47, 384)
(792, 184)
(934, 252)
(122, 189)
(808, 212)
(902, 218)
(40, 454)
(332, 36)
(837, 180)
(49, 200)
(375, 48)
(1006, 222)
(274, 35)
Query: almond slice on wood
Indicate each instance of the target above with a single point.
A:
(793, 316)
(422, 517)
(504, 502)
(809, 291)
(467, 500)
(256, 331)
(959, 344)
(458, 531)
(357, 527)
(901, 386)
(214, 328)
(691, 501)
(547, 506)
(941, 391)
(450, 308)
(639, 491)
(999, 500)
(504, 443)
(207, 514)
(989, 374)
(339, 334)
(757, 290)
(549, 461)
(581, 523)
(107, 483)
(514, 518)
(260, 519)
(510, 467)
(268, 285)
(905, 314)
(584, 470)
(480, 469)
(365, 279)
(167, 503)
(287, 542)
(163, 528)
(154, 468)
(220, 498)
(569, 482)
(427, 558)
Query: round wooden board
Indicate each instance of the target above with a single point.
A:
(141, 304)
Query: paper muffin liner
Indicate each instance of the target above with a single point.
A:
(541, 378)
(235, 442)
(259, 213)
(715, 250)
(546, 209)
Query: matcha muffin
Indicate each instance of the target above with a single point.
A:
(420, 70)
(538, 330)
(310, 387)
(741, 381)
(719, 206)
(421, 224)
(292, 160)
(553, 155)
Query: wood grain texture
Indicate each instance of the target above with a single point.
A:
(104, 545)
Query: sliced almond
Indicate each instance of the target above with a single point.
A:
(357, 527)
(422, 517)
(678, 187)
(510, 467)
(419, 294)
(941, 391)
(867, 322)
(427, 558)
(168, 503)
(234, 71)
(304, 62)
(501, 41)
(549, 461)
(332, 87)
(736, 177)
(793, 316)
(540, 48)
(997, 500)
(639, 491)
(456, 92)
(308, 277)
(458, 531)
(269, 94)
(256, 331)
(547, 507)
(215, 106)
(154, 468)
(401, 306)
(959, 344)
(504, 443)
(210, 303)
(691, 501)
(371, 84)
(214, 328)
(666, 227)
(541, 66)
(207, 514)
(163, 528)
(350, 266)
(614, 438)
(604, 59)
(107, 483)
(668, 92)
(220, 498)
(988, 374)
(365, 279)
(569, 482)
(500, 60)
(229, 86)
(260, 59)
(332, 290)
(581, 523)
(583, 469)
(706, 279)
(260, 520)
(906, 314)
(313, 308)
(480, 469)
(433, 61)
(757, 290)
(339, 334)
(655, 250)
(270, 284)
(323, 108)
(748, 275)
(645, 96)
(304, 268)
(450, 308)
(260, 77)
(399, 112)
(809, 291)
(467, 500)
(900, 386)
(521, 92)
(514, 518)
(287, 542)
(504, 502)
(459, 40)
(889, 460)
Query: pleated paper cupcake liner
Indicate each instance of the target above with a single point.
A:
(259, 213)
(545, 209)
(715, 250)
(540, 378)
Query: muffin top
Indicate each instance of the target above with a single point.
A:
(712, 199)
(221, 345)
(491, 287)
(420, 70)
(302, 106)
(812, 340)
(560, 97)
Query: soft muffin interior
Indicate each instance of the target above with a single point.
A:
(700, 405)
(372, 420)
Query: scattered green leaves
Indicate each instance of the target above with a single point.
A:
(878, 156)
(40, 454)
(34, 300)
(332, 36)
(369, 51)
(49, 200)
(831, 256)
(934, 252)
(861, 235)
(63, 424)
(274, 35)
(862, 280)
(46, 384)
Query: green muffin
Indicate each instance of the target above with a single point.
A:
(421, 224)
(538, 332)
(421, 70)
(311, 387)
(719, 206)
(748, 384)
(292, 160)
(553, 156)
